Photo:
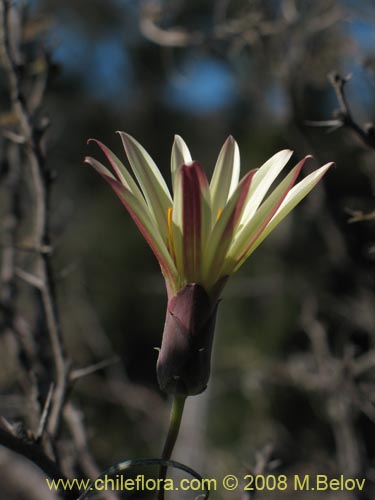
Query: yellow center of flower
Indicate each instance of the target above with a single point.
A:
(218, 215)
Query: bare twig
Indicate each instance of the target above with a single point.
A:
(115, 387)
(11, 220)
(359, 216)
(29, 278)
(261, 467)
(88, 370)
(248, 27)
(12, 136)
(11, 320)
(363, 363)
(343, 116)
(74, 420)
(174, 37)
(45, 413)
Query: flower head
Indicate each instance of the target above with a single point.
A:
(200, 235)
(205, 231)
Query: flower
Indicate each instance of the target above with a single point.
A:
(200, 236)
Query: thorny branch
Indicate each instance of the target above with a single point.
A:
(32, 134)
(8, 289)
(343, 116)
(37, 444)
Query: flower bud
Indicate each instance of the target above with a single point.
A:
(184, 360)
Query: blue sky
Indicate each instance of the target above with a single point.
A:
(203, 83)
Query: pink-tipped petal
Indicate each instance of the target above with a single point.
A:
(263, 180)
(99, 167)
(141, 216)
(122, 174)
(150, 180)
(115, 163)
(294, 196)
(254, 228)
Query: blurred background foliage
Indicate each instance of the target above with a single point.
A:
(204, 70)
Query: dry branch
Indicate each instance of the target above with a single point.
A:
(32, 135)
(343, 116)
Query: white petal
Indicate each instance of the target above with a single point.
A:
(224, 229)
(226, 175)
(151, 181)
(177, 221)
(295, 196)
(99, 167)
(263, 180)
(250, 232)
(180, 155)
(145, 222)
(122, 173)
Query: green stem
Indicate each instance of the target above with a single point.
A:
(175, 418)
